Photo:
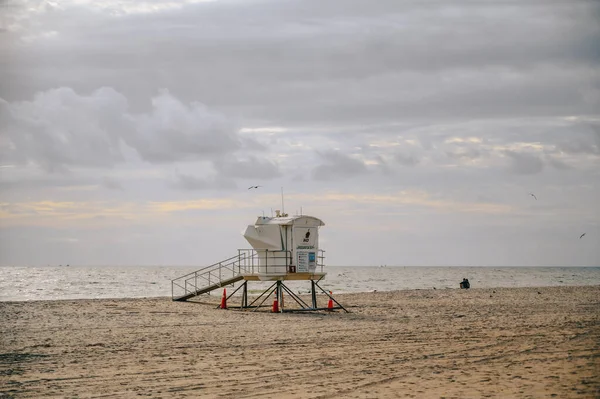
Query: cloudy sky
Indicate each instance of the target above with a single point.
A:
(130, 130)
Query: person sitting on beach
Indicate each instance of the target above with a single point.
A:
(465, 284)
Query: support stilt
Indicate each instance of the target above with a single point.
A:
(245, 295)
(313, 293)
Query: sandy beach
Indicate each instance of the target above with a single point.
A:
(506, 342)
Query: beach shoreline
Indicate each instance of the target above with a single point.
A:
(511, 342)
(49, 283)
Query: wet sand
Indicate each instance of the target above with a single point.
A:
(514, 343)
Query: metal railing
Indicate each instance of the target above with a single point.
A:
(207, 276)
(265, 261)
(246, 262)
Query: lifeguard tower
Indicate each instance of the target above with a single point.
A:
(283, 248)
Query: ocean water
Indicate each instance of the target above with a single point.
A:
(78, 282)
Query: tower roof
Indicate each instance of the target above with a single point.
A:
(290, 220)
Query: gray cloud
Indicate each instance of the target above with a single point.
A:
(557, 163)
(174, 131)
(406, 159)
(187, 182)
(464, 153)
(586, 141)
(524, 163)
(338, 165)
(359, 63)
(250, 168)
(111, 184)
(60, 129)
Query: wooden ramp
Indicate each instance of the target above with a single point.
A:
(209, 288)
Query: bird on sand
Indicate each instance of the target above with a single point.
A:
(533, 195)
(581, 236)
(251, 187)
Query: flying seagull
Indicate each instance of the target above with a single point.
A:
(533, 195)
(251, 187)
(581, 236)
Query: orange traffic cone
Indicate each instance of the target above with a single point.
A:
(275, 304)
(330, 303)
(224, 299)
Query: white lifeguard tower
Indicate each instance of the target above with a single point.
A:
(287, 246)
(283, 248)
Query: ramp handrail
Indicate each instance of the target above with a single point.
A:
(207, 276)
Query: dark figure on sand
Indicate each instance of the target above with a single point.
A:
(465, 283)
